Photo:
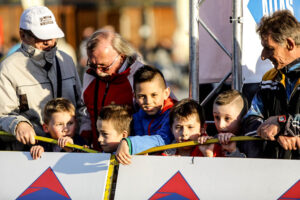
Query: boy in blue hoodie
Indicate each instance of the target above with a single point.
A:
(113, 124)
(151, 122)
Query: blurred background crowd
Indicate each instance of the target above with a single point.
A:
(158, 29)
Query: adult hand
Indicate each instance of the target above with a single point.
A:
(25, 133)
(269, 129)
(289, 143)
(36, 151)
(122, 155)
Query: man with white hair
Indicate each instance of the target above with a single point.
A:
(36, 73)
(112, 61)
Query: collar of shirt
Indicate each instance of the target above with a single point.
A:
(124, 66)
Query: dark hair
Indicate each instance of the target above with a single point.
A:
(229, 96)
(184, 109)
(119, 115)
(280, 25)
(29, 33)
(147, 73)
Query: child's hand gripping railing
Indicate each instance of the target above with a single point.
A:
(53, 141)
(193, 143)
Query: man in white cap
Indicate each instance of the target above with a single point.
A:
(35, 74)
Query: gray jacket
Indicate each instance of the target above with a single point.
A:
(25, 87)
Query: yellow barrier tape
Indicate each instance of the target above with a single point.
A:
(53, 141)
(110, 177)
(193, 143)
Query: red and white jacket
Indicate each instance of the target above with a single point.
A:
(118, 89)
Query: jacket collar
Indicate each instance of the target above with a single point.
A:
(168, 104)
(291, 71)
(293, 66)
(37, 56)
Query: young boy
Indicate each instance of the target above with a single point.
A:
(151, 122)
(59, 123)
(228, 110)
(186, 120)
(113, 124)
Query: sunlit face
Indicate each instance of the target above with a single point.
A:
(44, 45)
(227, 118)
(61, 124)
(186, 129)
(277, 53)
(109, 138)
(105, 60)
(150, 95)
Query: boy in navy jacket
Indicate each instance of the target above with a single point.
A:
(151, 122)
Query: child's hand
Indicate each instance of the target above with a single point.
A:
(64, 140)
(36, 151)
(203, 139)
(123, 156)
(224, 139)
(208, 149)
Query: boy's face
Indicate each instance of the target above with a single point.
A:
(151, 95)
(61, 124)
(109, 137)
(227, 118)
(186, 129)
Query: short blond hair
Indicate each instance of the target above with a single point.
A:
(57, 105)
(119, 115)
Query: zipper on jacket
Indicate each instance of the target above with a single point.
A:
(149, 126)
(293, 92)
(105, 93)
(51, 84)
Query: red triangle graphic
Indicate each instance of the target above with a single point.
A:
(293, 192)
(47, 180)
(177, 184)
(30, 190)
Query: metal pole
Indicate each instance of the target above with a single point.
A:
(194, 53)
(237, 22)
(214, 37)
(215, 90)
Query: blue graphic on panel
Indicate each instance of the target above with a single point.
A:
(174, 196)
(44, 193)
(259, 8)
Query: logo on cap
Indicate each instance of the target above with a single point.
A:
(46, 20)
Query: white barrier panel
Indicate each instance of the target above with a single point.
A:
(159, 177)
(54, 176)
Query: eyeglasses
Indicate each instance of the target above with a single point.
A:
(101, 66)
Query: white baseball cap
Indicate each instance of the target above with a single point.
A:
(41, 22)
